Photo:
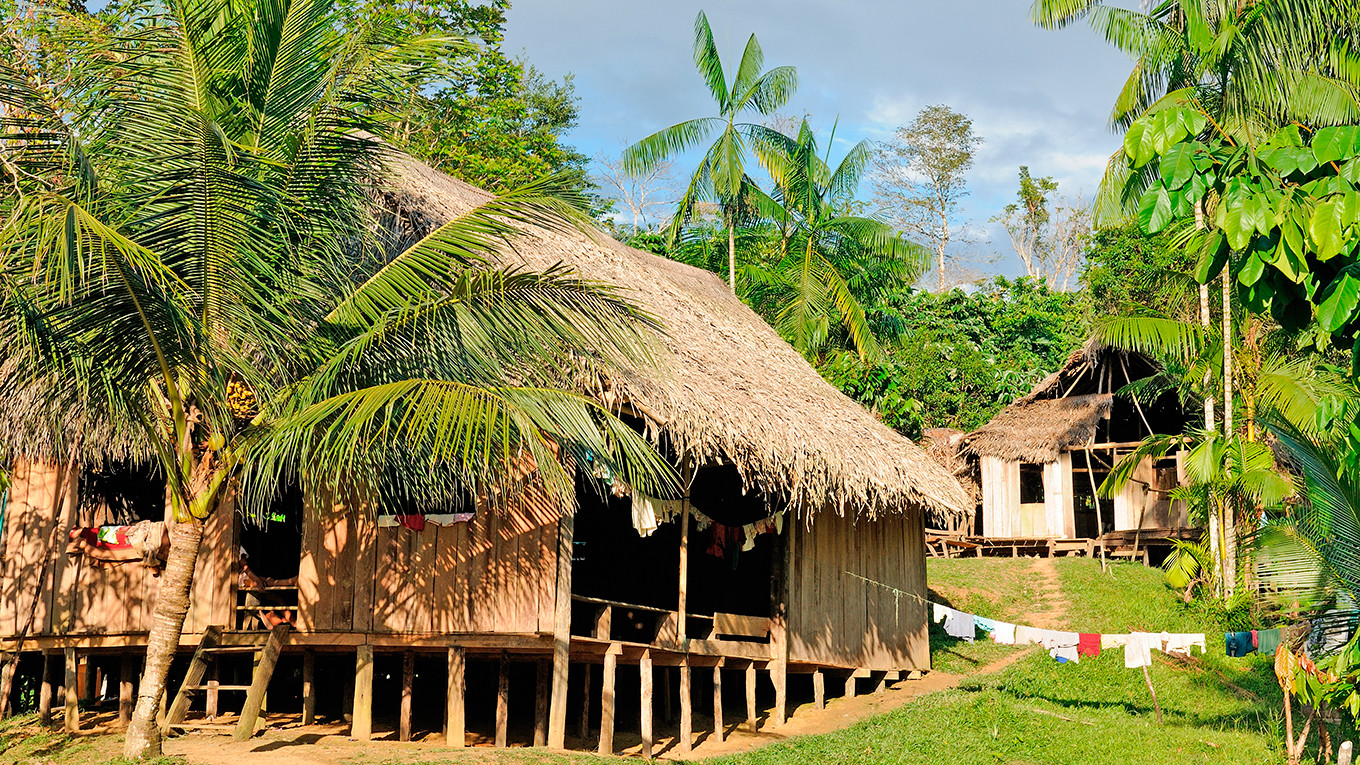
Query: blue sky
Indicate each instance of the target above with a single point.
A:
(1036, 97)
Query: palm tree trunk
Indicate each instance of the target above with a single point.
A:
(732, 256)
(172, 605)
(1229, 513)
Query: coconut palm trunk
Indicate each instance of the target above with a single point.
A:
(1229, 513)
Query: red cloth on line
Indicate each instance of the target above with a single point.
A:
(1088, 644)
(1255, 640)
(412, 522)
(103, 537)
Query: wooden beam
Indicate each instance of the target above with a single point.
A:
(717, 703)
(557, 707)
(751, 697)
(408, 677)
(127, 677)
(361, 720)
(779, 675)
(455, 706)
(503, 702)
(686, 708)
(259, 682)
(72, 693)
(45, 690)
(645, 719)
(583, 726)
(611, 660)
(308, 687)
(542, 688)
(819, 689)
(604, 619)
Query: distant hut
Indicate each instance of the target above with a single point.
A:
(797, 549)
(1041, 458)
(942, 445)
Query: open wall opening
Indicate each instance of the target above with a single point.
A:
(1085, 500)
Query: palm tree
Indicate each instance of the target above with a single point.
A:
(721, 176)
(829, 261)
(202, 239)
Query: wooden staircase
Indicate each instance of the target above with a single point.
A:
(265, 646)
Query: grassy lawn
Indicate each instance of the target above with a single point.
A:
(1214, 709)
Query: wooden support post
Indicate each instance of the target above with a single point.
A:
(604, 619)
(583, 726)
(686, 707)
(45, 691)
(361, 720)
(503, 702)
(198, 667)
(611, 661)
(72, 692)
(408, 679)
(819, 688)
(717, 703)
(882, 684)
(682, 636)
(850, 686)
(779, 675)
(308, 687)
(455, 706)
(259, 682)
(1344, 754)
(557, 706)
(751, 697)
(645, 720)
(127, 678)
(210, 703)
(542, 690)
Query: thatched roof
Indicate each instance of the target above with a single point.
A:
(942, 445)
(731, 389)
(1037, 430)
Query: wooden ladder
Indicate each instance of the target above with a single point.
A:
(209, 648)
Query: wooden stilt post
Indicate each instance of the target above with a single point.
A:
(686, 707)
(611, 661)
(819, 688)
(455, 726)
(779, 675)
(850, 685)
(583, 726)
(503, 702)
(408, 678)
(557, 706)
(72, 692)
(751, 697)
(308, 687)
(645, 721)
(717, 702)
(361, 723)
(127, 678)
(210, 702)
(542, 689)
(46, 689)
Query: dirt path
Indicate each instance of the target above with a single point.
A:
(1054, 612)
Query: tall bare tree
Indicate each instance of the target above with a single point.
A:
(919, 179)
(639, 193)
(1049, 233)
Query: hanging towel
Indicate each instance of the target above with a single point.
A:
(1055, 639)
(984, 623)
(412, 522)
(1138, 652)
(449, 519)
(1182, 643)
(750, 543)
(938, 612)
(1113, 641)
(1003, 634)
(1065, 654)
(1267, 641)
(1238, 644)
(644, 517)
(1255, 640)
(1027, 635)
(959, 625)
(1088, 644)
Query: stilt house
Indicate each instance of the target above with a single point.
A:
(1041, 459)
(795, 556)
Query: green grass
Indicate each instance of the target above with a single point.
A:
(997, 588)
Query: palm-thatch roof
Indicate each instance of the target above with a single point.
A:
(942, 445)
(730, 389)
(1037, 430)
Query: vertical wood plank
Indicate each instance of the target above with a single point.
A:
(718, 730)
(361, 724)
(210, 704)
(259, 682)
(45, 691)
(365, 568)
(686, 707)
(645, 707)
(503, 702)
(542, 687)
(72, 704)
(751, 697)
(683, 600)
(819, 688)
(779, 675)
(607, 684)
(127, 677)
(850, 685)
(455, 704)
(557, 712)
(408, 676)
(308, 687)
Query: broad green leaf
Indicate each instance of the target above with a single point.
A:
(1350, 172)
(1287, 261)
(1238, 224)
(1155, 211)
(1327, 229)
(1251, 270)
(1178, 165)
(1336, 143)
(1212, 258)
(1197, 187)
(1287, 136)
(1135, 146)
(1322, 187)
(1337, 309)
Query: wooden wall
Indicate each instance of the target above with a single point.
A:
(1000, 496)
(496, 573)
(1003, 515)
(79, 598)
(1143, 502)
(837, 619)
